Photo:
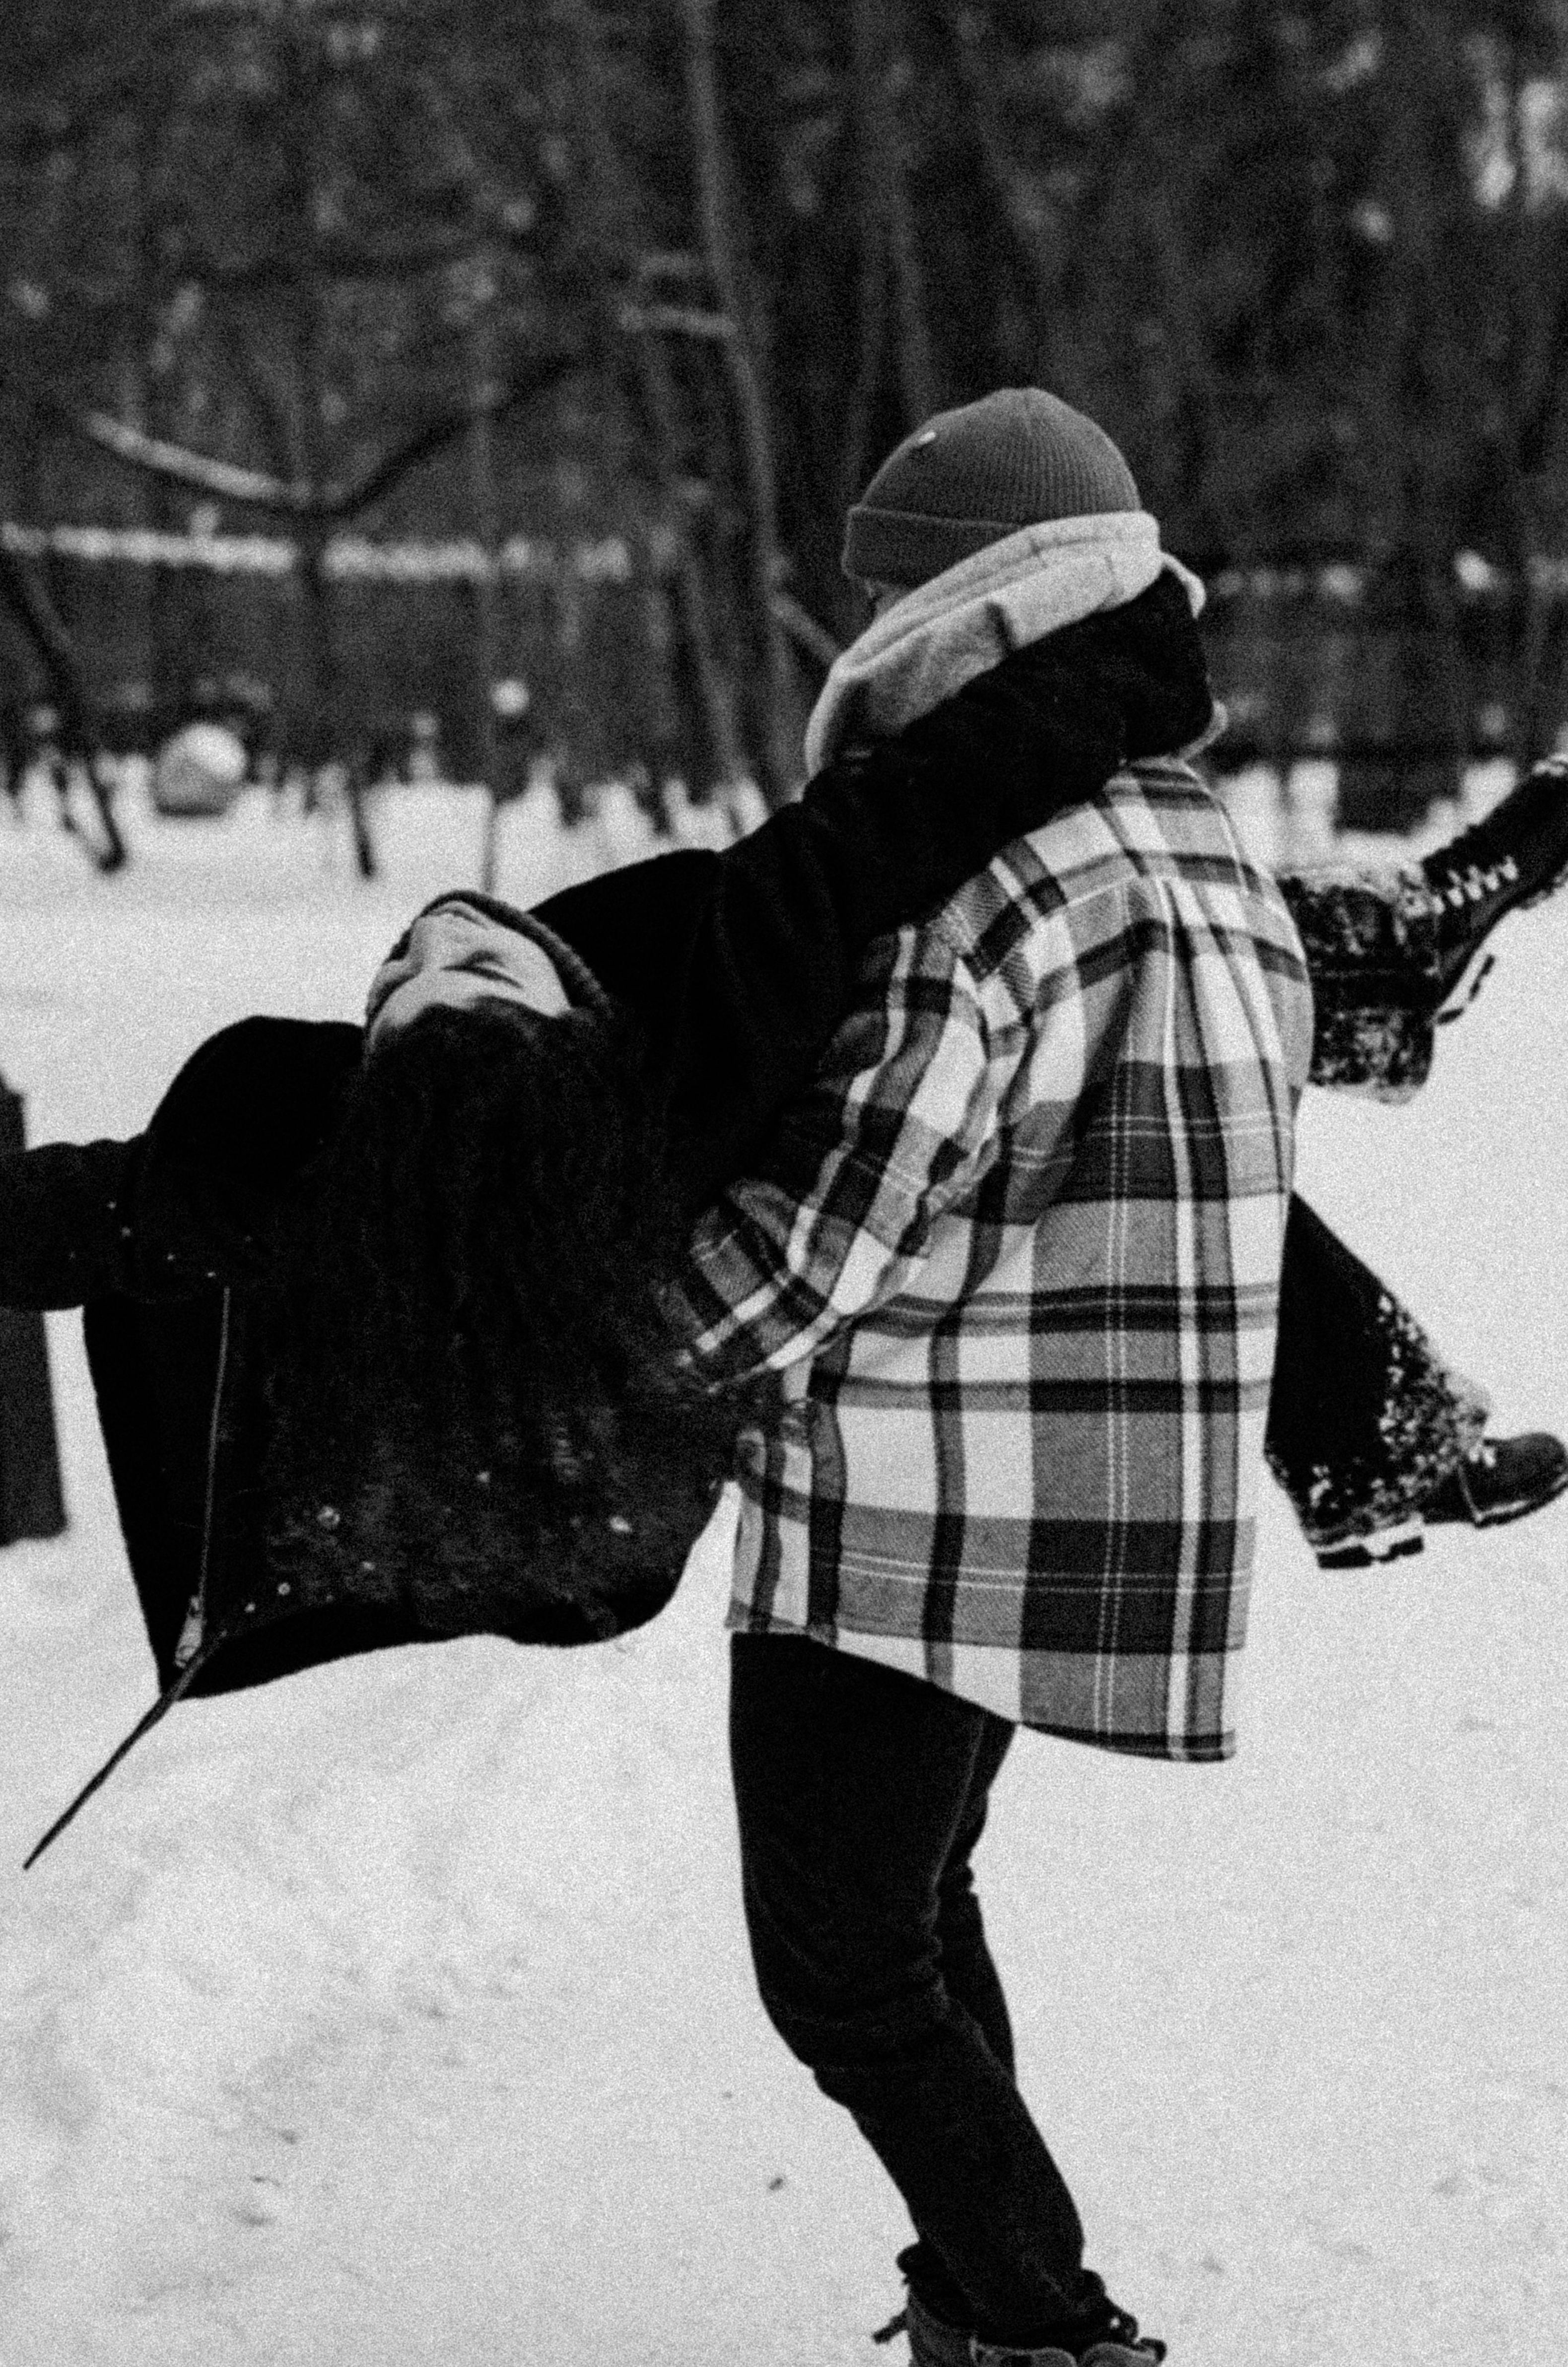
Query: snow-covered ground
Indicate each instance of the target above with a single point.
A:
(401, 2013)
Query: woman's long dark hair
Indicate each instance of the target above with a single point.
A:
(473, 1295)
(473, 1291)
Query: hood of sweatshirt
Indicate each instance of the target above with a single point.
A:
(966, 620)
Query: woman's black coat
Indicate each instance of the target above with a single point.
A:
(738, 966)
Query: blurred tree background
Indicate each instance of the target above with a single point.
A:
(396, 347)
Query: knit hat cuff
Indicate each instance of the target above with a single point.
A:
(456, 951)
(901, 547)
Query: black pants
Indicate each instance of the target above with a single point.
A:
(860, 1795)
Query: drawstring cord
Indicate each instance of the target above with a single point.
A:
(160, 1708)
(192, 1653)
(196, 1616)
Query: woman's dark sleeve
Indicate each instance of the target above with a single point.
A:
(204, 1195)
(65, 1222)
(740, 965)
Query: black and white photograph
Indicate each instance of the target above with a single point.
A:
(783, 1083)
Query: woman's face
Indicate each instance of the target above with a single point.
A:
(455, 955)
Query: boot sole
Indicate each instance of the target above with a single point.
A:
(1356, 1556)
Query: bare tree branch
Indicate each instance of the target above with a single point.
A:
(155, 456)
(671, 265)
(804, 630)
(492, 403)
(676, 320)
(255, 489)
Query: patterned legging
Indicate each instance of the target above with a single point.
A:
(1366, 1418)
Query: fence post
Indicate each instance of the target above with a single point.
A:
(32, 1502)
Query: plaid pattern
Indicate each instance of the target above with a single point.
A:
(1016, 1255)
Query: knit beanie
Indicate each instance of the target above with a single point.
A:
(973, 476)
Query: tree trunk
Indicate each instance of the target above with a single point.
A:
(966, 34)
(887, 211)
(773, 745)
(917, 361)
(609, 216)
(871, 259)
(483, 510)
(1536, 690)
(309, 292)
(25, 595)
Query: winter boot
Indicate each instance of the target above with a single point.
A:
(1499, 1479)
(1112, 2341)
(1512, 857)
(1502, 1480)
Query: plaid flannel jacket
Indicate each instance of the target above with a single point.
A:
(1016, 1256)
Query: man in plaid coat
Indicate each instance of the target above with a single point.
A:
(1016, 1260)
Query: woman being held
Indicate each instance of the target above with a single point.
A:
(375, 1319)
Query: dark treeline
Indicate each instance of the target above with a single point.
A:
(676, 274)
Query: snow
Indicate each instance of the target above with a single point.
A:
(402, 2014)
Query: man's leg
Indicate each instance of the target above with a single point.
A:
(968, 1967)
(973, 1981)
(860, 1790)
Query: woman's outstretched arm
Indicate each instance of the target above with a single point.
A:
(202, 1197)
(66, 1230)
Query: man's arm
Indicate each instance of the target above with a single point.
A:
(899, 1123)
(740, 965)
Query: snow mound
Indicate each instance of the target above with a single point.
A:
(401, 2013)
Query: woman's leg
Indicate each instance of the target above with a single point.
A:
(1366, 1422)
(1388, 950)
(1371, 953)
(1371, 1432)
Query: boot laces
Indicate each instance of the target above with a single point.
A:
(1470, 883)
(1473, 868)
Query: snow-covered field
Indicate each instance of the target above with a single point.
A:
(401, 2013)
